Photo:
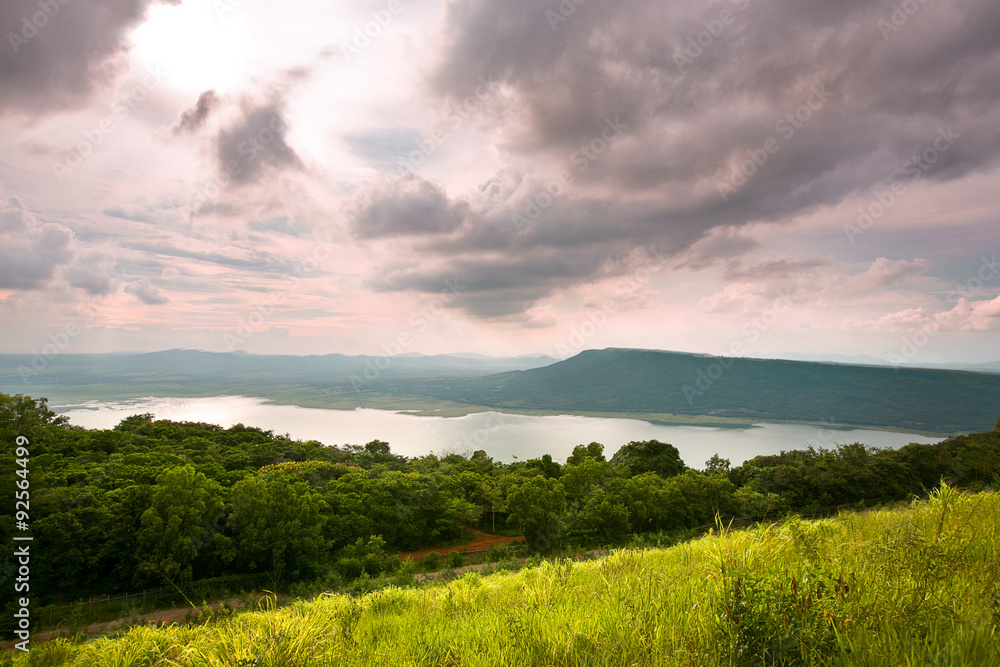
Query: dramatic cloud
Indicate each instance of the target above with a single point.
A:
(57, 55)
(665, 140)
(500, 172)
(192, 119)
(255, 145)
(407, 206)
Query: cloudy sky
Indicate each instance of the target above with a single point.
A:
(508, 177)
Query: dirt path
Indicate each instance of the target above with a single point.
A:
(481, 542)
(159, 617)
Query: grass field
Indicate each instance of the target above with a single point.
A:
(915, 585)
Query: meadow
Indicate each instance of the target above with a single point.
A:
(915, 584)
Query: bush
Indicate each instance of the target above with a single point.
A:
(455, 559)
(392, 564)
(498, 553)
(350, 568)
(431, 561)
(371, 564)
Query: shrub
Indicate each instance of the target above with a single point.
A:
(350, 568)
(392, 564)
(455, 559)
(431, 561)
(372, 565)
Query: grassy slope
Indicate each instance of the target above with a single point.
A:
(914, 586)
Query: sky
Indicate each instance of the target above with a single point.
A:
(738, 177)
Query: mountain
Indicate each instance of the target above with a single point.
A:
(194, 372)
(624, 380)
(867, 360)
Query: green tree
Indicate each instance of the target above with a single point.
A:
(546, 465)
(594, 450)
(655, 503)
(22, 415)
(134, 422)
(717, 466)
(650, 456)
(180, 524)
(579, 478)
(537, 506)
(277, 527)
(602, 517)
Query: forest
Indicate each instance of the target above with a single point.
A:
(152, 502)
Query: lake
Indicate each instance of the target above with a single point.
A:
(504, 437)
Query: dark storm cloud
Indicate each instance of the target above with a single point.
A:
(255, 145)
(55, 55)
(406, 206)
(735, 112)
(192, 119)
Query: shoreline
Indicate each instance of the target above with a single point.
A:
(61, 401)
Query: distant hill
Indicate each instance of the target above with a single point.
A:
(935, 401)
(624, 380)
(867, 360)
(196, 363)
(315, 380)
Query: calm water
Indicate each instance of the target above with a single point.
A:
(504, 437)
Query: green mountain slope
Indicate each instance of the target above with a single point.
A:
(622, 380)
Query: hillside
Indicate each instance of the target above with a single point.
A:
(332, 380)
(620, 380)
(913, 586)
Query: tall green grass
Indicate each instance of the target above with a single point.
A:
(910, 586)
